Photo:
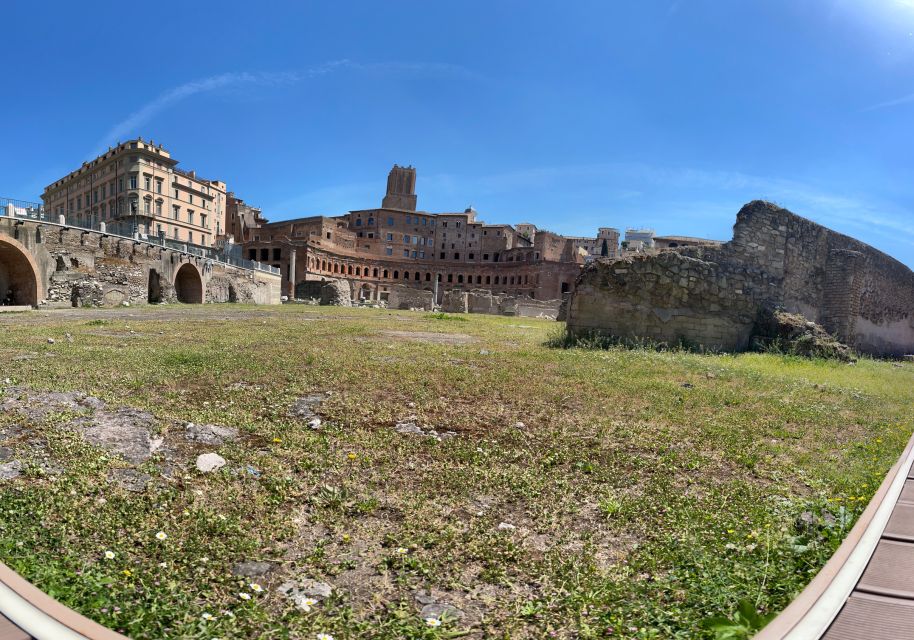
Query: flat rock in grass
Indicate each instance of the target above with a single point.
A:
(126, 432)
(129, 479)
(5, 453)
(10, 470)
(305, 588)
(409, 429)
(209, 433)
(304, 407)
(252, 569)
(441, 610)
(209, 462)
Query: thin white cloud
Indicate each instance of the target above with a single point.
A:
(132, 123)
(908, 99)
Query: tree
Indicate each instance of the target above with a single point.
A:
(604, 250)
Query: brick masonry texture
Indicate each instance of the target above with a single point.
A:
(59, 266)
(711, 296)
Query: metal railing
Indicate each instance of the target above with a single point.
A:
(128, 227)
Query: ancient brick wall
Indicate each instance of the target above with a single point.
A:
(710, 296)
(83, 268)
(401, 297)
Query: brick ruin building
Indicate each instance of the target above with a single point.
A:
(712, 295)
(398, 245)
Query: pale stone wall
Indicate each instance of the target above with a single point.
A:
(710, 296)
(83, 268)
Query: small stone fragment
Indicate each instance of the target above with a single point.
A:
(10, 470)
(252, 569)
(209, 433)
(314, 423)
(50, 340)
(441, 610)
(209, 462)
(506, 526)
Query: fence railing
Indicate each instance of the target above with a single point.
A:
(126, 227)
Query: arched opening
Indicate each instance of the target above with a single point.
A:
(188, 285)
(18, 277)
(155, 287)
(232, 293)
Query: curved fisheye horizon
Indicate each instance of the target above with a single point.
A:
(512, 320)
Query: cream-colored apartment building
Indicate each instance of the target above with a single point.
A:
(136, 187)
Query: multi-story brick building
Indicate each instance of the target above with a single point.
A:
(398, 244)
(136, 187)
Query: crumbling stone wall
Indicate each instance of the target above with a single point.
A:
(400, 297)
(484, 301)
(710, 296)
(85, 268)
(336, 293)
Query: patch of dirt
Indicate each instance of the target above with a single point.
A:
(430, 337)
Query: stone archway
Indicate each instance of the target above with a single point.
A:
(189, 285)
(19, 280)
(155, 287)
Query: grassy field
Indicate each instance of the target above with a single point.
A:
(584, 494)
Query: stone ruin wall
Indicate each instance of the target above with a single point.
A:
(401, 297)
(711, 296)
(484, 301)
(83, 268)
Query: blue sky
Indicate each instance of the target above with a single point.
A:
(571, 115)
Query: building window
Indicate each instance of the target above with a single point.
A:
(158, 208)
(456, 256)
(158, 186)
(190, 236)
(390, 237)
(406, 253)
(405, 239)
(277, 254)
(328, 235)
(406, 275)
(442, 255)
(264, 255)
(133, 182)
(488, 279)
(460, 278)
(389, 251)
(252, 254)
(370, 221)
(358, 222)
(203, 221)
(470, 257)
(147, 183)
(450, 277)
(390, 221)
(176, 212)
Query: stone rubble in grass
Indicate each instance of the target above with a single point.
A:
(10, 470)
(252, 569)
(441, 610)
(129, 479)
(211, 434)
(302, 588)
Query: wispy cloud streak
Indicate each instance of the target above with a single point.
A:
(132, 123)
(908, 99)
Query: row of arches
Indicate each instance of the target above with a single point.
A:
(20, 281)
(322, 266)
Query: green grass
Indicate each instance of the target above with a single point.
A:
(650, 491)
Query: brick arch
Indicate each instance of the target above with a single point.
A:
(19, 274)
(189, 284)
